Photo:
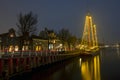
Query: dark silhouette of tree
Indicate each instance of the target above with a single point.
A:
(64, 35)
(67, 38)
(26, 24)
(72, 41)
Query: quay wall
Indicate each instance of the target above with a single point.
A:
(13, 64)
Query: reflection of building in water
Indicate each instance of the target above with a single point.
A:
(118, 51)
(90, 68)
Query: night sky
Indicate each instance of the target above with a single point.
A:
(69, 14)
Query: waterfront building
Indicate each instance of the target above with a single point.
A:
(10, 43)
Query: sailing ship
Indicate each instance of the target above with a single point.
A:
(89, 43)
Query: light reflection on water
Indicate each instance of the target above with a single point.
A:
(118, 51)
(104, 66)
(90, 68)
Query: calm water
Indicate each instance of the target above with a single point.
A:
(105, 66)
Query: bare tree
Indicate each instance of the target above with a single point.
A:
(26, 24)
(67, 38)
(26, 27)
(64, 35)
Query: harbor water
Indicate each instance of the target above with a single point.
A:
(104, 66)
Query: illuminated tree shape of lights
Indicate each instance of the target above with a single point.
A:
(89, 38)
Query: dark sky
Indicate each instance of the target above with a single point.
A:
(69, 14)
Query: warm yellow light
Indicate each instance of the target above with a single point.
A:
(89, 37)
(25, 48)
(38, 48)
(80, 60)
(85, 71)
(90, 69)
(11, 48)
(11, 35)
(96, 68)
(16, 48)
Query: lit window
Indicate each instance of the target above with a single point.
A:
(16, 48)
(38, 48)
(25, 48)
(11, 48)
(11, 35)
